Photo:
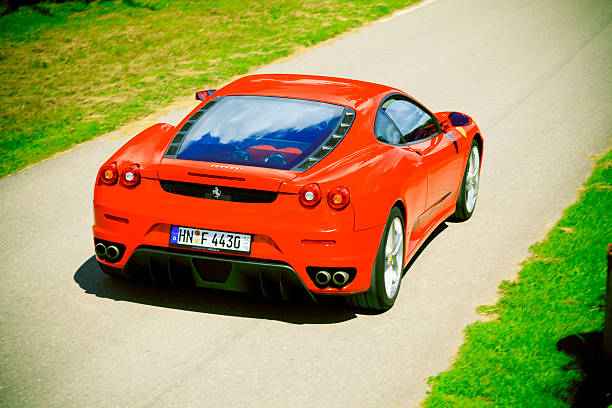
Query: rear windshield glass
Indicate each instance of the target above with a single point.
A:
(260, 131)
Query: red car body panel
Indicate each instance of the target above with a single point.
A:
(423, 179)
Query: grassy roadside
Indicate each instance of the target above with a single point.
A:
(72, 71)
(513, 360)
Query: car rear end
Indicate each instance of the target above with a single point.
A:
(222, 208)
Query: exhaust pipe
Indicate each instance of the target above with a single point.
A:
(100, 250)
(340, 278)
(112, 252)
(322, 278)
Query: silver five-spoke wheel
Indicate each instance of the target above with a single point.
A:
(394, 251)
(472, 176)
(388, 267)
(468, 193)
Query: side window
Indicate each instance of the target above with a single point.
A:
(413, 122)
(385, 130)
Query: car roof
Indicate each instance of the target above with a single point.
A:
(347, 92)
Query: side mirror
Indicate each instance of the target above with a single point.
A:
(442, 118)
(202, 95)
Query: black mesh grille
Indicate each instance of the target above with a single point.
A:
(211, 192)
(178, 138)
(342, 130)
(197, 115)
(331, 142)
(305, 165)
(321, 153)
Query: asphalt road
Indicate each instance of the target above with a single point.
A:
(536, 77)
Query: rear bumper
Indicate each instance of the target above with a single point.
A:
(183, 268)
(286, 237)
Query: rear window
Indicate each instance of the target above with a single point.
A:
(258, 131)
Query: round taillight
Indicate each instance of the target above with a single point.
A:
(338, 197)
(108, 174)
(310, 195)
(130, 176)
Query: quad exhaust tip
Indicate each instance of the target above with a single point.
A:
(112, 252)
(340, 278)
(100, 250)
(322, 278)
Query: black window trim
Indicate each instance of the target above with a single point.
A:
(396, 95)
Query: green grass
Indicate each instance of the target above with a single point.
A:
(512, 361)
(72, 71)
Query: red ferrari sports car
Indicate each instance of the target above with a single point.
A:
(287, 184)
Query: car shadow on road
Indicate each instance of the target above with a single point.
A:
(430, 238)
(329, 310)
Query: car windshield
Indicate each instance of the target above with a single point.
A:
(260, 131)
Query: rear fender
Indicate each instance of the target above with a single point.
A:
(145, 149)
(379, 189)
(369, 175)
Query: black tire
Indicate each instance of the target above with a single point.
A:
(463, 212)
(376, 297)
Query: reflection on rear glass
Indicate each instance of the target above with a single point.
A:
(260, 131)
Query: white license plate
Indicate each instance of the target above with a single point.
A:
(210, 240)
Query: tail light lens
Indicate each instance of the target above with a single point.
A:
(338, 197)
(108, 174)
(130, 176)
(310, 195)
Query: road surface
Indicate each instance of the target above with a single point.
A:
(535, 75)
